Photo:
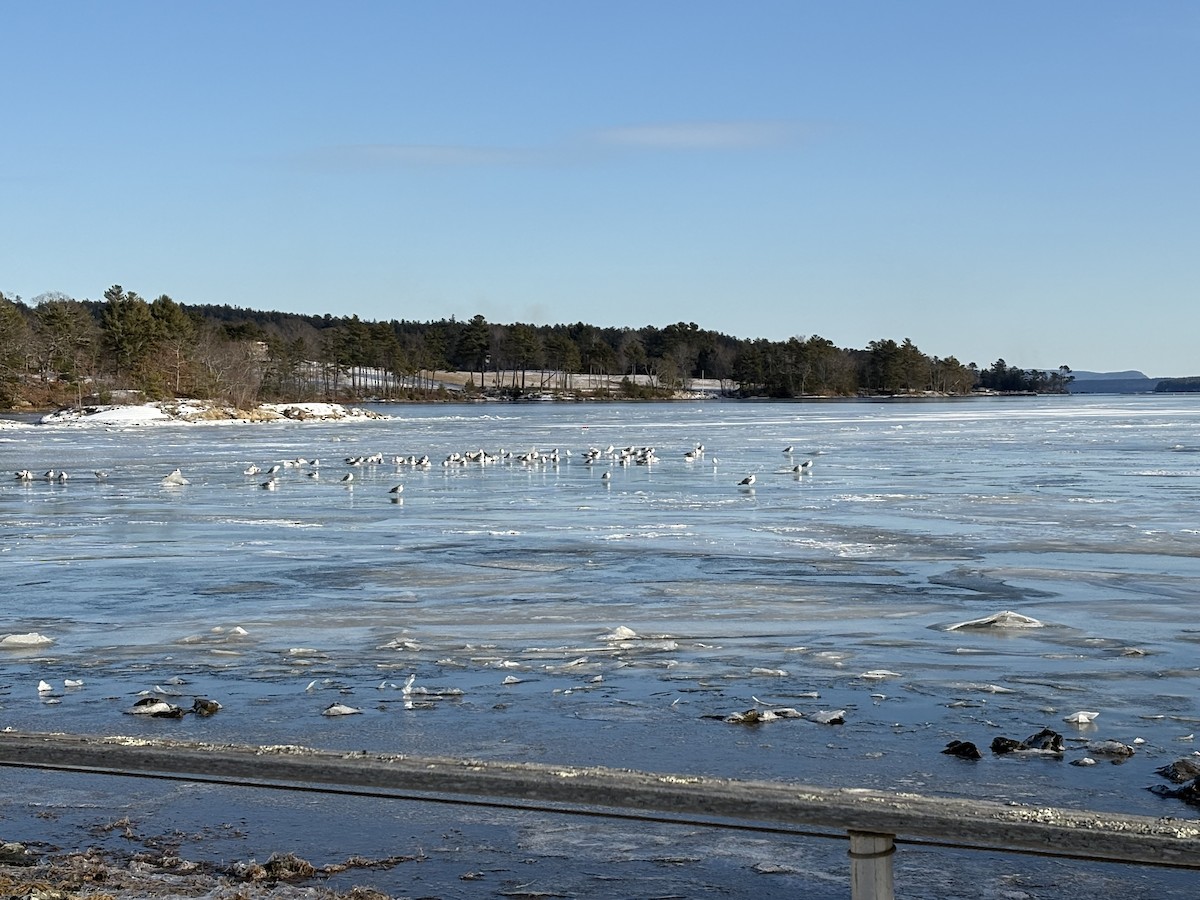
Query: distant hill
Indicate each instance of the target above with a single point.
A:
(1128, 375)
(1128, 382)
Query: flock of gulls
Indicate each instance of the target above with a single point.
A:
(610, 457)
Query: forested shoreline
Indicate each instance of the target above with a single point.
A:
(56, 350)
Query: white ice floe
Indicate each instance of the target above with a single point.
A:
(781, 712)
(828, 717)
(20, 641)
(625, 638)
(155, 707)
(879, 675)
(1005, 619)
(340, 709)
(755, 716)
(1083, 717)
(620, 633)
(44, 687)
(400, 644)
(411, 689)
(644, 645)
(73, 682)
(984, 688)
(777, 673)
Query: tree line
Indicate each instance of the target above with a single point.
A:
(1188, 385)
(57, 350)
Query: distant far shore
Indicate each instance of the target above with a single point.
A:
(131, 407)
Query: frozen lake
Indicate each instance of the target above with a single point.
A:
(508, 592)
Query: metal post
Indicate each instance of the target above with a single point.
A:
(871, 873)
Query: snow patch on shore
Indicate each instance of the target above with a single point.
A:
(170, 412)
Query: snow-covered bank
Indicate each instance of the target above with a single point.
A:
(196, 411)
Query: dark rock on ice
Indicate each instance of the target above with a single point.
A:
(14, 854)
(202, 706)
(1189, 793)
(1114, 750)
(749, 717)
(1045, 741)
(963, 750)
(1005, 745)
(1184, 769)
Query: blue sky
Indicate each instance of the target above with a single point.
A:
(1017, 180)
